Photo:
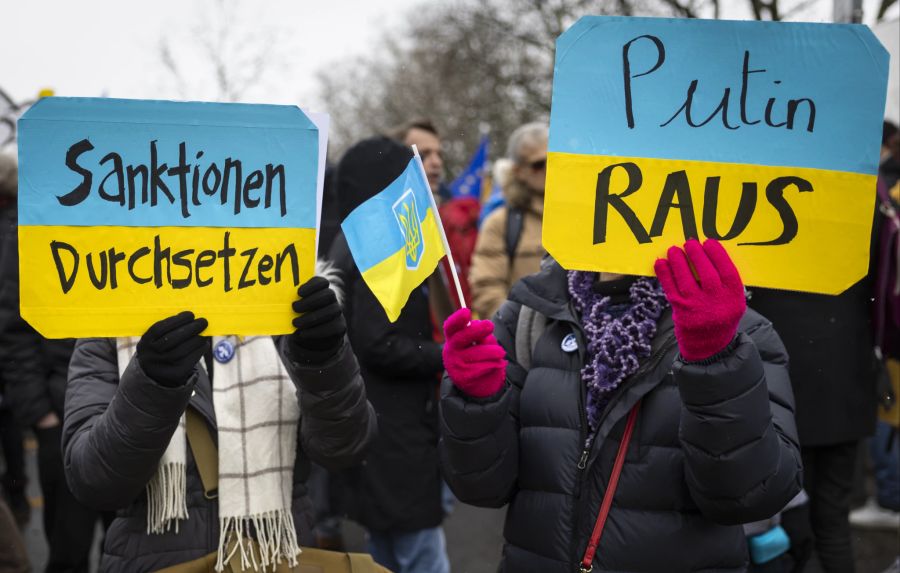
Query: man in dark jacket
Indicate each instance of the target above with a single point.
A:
(33, 370)
(298, 400)
(833, 374)
(400, 488)
(714, 445)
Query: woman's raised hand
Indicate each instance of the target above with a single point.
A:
(706, 309)
(473, 358)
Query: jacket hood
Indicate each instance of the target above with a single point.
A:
(367, 168)
(545, 291)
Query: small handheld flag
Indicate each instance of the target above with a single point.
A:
(396, 238)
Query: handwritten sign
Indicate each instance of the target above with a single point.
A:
(762, 135)
(133, 210)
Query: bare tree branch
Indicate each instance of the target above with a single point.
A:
(683, 9)
(798, 8)
(233, 58)
(883, 8)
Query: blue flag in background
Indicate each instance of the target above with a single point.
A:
(468, 184)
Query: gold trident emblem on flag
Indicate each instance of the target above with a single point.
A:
(407, 214)
(410, 224)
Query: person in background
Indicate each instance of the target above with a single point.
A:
(667, 388)
(834, 369)
(509, 243)
(12, 459)
(883, 510)
(422, 133)
(13, 480)
(500, 170)
(397, 493)
(889, 169)
(33, 370)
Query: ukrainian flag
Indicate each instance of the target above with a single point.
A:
(395, 238)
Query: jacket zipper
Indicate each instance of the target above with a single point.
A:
(588, 442)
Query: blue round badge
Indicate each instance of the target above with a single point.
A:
(569, 343)
(224, 351)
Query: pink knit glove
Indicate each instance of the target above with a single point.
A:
(706, 313)
(473, 358)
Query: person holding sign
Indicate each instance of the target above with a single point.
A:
(132, 409)
(657, 414)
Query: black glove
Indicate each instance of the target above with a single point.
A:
(170, 349)
(320, 327)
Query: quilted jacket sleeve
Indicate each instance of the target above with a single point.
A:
(115, 431)
(337, 423)
(742, 455)
(479, 443)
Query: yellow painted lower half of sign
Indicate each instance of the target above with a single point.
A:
(117, 281)
(786, 227)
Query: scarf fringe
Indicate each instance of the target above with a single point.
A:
(275, 540)
(166, 503)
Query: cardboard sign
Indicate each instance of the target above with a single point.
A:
(762, 135)
(131, 211)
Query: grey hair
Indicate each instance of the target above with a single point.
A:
(527, 135)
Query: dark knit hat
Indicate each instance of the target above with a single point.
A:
(367, 168)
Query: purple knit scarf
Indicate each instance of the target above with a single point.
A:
(618, 336)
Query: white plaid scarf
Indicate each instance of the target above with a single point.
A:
(257, 415)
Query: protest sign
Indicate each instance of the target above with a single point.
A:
(762, 135)
(133, 210)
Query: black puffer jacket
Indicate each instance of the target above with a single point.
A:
(32, 368)
(399, 486)
(833, 374)
(116, 431)
(715, 445)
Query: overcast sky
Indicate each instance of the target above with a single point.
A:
(111, 47)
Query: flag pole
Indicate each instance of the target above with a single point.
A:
(440, 224)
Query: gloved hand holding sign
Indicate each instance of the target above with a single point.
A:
(170, 349)
(706, 309)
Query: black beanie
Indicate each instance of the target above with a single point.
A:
(366, 169)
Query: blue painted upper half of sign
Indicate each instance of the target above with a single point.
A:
(755, 88)
(141, 163)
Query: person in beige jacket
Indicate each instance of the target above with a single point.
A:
(509, 244)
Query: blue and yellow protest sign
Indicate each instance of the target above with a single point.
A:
(133, 210)
(762, 135)
(396, 238)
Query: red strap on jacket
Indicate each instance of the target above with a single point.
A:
(588, 559)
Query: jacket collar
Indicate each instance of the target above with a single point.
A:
(548, 293)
